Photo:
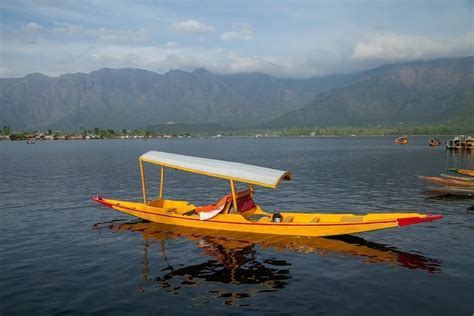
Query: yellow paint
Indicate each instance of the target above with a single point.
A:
(466, 172)
(173, 212)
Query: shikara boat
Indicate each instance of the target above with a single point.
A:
(402, 140)
(465, 172)
(237, 211)
(434, 142)
(448, 176)
(448, 182)
(453, 191)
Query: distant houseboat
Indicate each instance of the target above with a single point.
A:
(402, 140)
(460, 142)
(469, 142)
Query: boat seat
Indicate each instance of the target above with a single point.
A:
(352, 219)
(314, 220)
(287, 219)
(258, 218)
(244, 202)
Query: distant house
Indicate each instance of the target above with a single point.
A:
(75, 137)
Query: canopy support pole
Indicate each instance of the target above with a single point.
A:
(234, 198)
(142, 174)
(162, 181)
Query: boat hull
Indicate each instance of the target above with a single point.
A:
(454, 191)
(323, 225)
(465, 172)
(448, 182)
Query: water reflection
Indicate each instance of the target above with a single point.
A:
(233, 260)
(457, 157)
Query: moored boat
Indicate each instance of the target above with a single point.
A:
(434, 142)
(457, 177)
(454, 143)
(402, 140)
(460, 142)
(237, 211)
(469, 143)
(465, 172)
(448, 182)
(454, 191)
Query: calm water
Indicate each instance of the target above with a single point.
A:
(61, 253)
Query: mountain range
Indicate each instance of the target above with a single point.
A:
(422, 92)
(425, 92)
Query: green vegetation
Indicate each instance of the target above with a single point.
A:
(99, 133)
(6, 130)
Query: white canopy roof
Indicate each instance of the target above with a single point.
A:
(217, 168)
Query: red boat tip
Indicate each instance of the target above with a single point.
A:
(99, 199)
(416, 220)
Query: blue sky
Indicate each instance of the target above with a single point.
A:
(282, 38)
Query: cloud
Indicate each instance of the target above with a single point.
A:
(241, 31)
(391, 46)
(192, 26)
(171, 44)
(32, 27)
(6, 72)
(76, 32)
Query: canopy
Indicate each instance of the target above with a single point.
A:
(261, 176)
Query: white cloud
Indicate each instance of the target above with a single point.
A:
(192, 26)
(6, 72)
(32, 27)
(241, 31)
(60, 31)
(391, 46)
(237, 63)
(171, 44)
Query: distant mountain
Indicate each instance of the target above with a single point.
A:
(424, 92)
(134, 98)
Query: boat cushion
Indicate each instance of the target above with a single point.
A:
(244, 203)
(211, 210)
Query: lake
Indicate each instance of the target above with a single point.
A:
(61, 253)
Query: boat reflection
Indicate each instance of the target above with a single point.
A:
(233, 259)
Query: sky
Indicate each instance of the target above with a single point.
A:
(289, 39)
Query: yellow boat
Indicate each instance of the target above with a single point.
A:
(237, 211)
(465, 172)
